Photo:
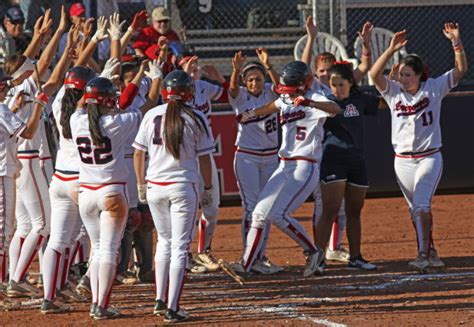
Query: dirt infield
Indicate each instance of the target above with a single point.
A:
(390, 296)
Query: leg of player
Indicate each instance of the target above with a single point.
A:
(158, 202)
(207, 224)
(7, 214)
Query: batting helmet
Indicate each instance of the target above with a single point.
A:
(101, 91)
(178, 85)
(293, 77)
(77, 77)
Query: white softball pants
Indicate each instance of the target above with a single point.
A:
(7, 215)
(174, 209)
(252, 173)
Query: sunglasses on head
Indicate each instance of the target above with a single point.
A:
(17, 21)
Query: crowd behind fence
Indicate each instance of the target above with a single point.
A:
(215, 29)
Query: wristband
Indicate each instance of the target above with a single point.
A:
(207, 188)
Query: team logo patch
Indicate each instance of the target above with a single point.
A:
(351, 111)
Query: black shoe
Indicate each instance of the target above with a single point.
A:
(102, 313)
(160, 308)
(93, 309)
(175, 316)
(361, 263)
(48, 307)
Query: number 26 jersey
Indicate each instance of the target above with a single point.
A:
(415, 118)
(104, 163)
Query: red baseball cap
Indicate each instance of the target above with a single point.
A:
(77, 9)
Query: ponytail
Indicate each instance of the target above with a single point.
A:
(94, 114)
(68, 106)
(174, 126)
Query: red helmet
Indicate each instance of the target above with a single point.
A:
(77, 77)
(178, 85)
(101, 91)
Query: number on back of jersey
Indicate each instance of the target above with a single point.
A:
(97, 155)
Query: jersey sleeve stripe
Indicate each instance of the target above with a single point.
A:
(139, 146)
(218, 94)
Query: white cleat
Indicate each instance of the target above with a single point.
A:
(421, 263)
(435, 261)
(337, 255)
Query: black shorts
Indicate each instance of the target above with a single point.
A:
(349, 168)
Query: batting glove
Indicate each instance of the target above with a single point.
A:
(156, 69)
(142, 193)
(109, 67)
(101, 32)
(206, 198)
(246, 116)
(41, 99)
(115, 27)
(301, 101)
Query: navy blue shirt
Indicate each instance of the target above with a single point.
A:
(345, 131)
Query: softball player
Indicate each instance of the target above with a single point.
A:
(63, 190)
(256, 157)
(298, 172)
(322, 64)
(11, 126)
(179, 143)
(100, 135)
(204, 93)
(415, 106)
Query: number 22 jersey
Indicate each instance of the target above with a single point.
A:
(103, 164)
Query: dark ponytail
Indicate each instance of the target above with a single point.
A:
(94, 114)
(174, 126)
(68, 106)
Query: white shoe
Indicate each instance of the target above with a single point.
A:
(273, 267)
(435, 261)
(313, 262)
(421, 263)
(207, 260)
(337, 255)
(361, 263)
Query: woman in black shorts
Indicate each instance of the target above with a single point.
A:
(343, 171)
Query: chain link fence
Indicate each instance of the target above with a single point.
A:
(216, 29)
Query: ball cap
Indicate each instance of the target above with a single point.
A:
(77, 9)
(15, 14)
(160, 13)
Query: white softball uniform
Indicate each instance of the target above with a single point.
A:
(173, 194)
(295, 178)
(132, 179)
(103, 203)
(32, 209)
(203, 94)
(256, 157)
(416, 137)
(10, 127)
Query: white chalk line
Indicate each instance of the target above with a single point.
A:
(291, 311)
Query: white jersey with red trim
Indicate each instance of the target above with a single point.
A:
(28, 87)
(302, 128)
(203, 94)
(129, 149)
(260, 133)
(415, 118)
(67, 157)
(162, 166)
(10, 127)
(106, 163)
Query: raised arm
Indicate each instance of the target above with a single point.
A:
(326, 106)
(311, 32)
(155, 73)
(138, 23)
(399, 40)
(267, 109)
(237, 63)
(264, 58)
(39, 32)
(100, 34)
(50, 51)
(114, 32)
(451, 31)
(366, 56)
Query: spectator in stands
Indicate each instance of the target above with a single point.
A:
(12, 37)
(147, 42)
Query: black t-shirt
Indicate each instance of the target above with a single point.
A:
(345, 131)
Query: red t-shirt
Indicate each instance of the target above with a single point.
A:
(147, 40)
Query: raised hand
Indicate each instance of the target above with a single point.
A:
(162, 40)
(38, 24)
(100, 33)
(301, 101)
(139, 21)
(72, 37)
(212, 73)
(110, 66)
(311, 27)
(451, 31)
(47, 23)
(399, 40)
(63, 22)
(238, 61)
(155, 69)
(366, 33)
(88, 26)
(115, 26)
(263, 56)
(190, 65)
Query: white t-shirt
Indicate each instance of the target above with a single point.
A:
(302, 128)
(415, 118)
(162, 166)
(10, 127)
(260, 133)
(67, 157)
(106, 163)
